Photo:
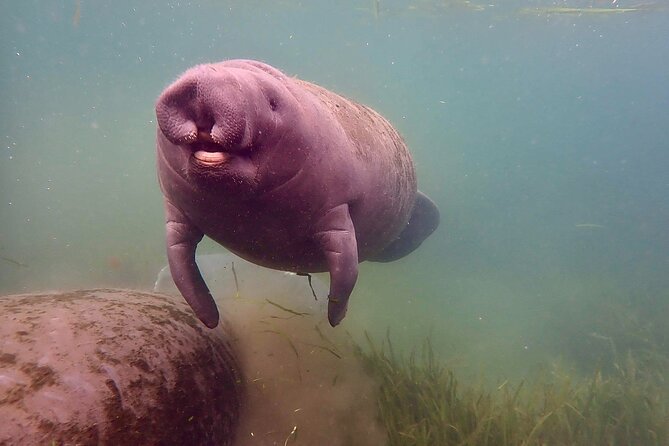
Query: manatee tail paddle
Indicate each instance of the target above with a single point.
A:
(423, 221)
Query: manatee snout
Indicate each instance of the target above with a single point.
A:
(204, 109)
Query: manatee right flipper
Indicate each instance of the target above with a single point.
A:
(423, 221)
(182, 240)
(335, 235)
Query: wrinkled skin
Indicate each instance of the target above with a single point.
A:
(285, 174)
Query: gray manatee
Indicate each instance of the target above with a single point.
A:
(285, 174)
(115, 367)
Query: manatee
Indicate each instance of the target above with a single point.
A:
(285, 174)
(115, 367)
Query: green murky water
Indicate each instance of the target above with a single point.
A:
(541, 136)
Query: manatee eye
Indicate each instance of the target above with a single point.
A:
(273, 104)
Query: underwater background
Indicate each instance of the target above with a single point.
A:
(541, 132)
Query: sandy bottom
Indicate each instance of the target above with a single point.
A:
(304, 384)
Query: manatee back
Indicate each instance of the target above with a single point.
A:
(391, 178)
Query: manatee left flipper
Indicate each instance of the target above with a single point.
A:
(335, 235)
(182, 240)
(423, 221)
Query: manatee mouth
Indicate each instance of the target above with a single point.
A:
(210, 158)
(218, 164)
(207, 152)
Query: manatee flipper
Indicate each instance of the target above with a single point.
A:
(423, 221)
(335, 235)
(182, 240)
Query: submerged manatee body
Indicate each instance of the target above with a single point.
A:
(285, 174)
(115, 367)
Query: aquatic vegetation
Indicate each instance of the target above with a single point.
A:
(14, 262)
(421, 402)
(595, 331)
(381, 7)
(611, 10)
(577, 11)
